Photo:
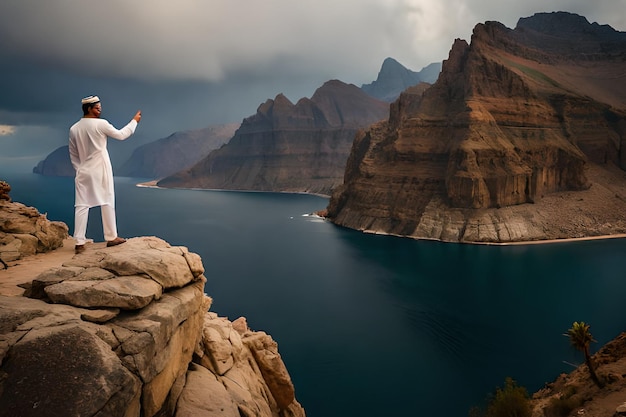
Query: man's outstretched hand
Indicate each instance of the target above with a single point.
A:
(137, 117)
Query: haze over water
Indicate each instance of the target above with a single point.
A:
(372, 325)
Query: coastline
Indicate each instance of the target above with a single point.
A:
(153, 184)
(517, 243)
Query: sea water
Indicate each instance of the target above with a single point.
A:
(371, 325)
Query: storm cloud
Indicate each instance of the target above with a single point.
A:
(190, 63)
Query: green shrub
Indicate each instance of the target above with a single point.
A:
(508, 401)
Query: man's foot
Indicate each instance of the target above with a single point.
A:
(116, 241)
(79, 249)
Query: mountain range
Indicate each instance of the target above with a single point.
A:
(181, 150)
(300, 147)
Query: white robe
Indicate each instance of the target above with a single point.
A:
(90, 158)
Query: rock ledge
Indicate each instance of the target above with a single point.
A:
(127, 331)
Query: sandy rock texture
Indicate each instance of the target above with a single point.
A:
(126, 331)
(24, 231)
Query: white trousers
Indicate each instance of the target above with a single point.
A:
(109, 225)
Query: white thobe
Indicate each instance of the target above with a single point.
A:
(94, 174)
(90, 158)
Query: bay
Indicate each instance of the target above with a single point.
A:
(373, 325)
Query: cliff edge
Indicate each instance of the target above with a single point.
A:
(127, 331)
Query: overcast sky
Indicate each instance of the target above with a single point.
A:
(191, 63)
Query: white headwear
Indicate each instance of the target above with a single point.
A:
(90, 100)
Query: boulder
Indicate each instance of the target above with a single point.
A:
(168, 266)
(127, 293)
(24, 231)
(204, 395)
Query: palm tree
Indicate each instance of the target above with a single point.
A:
(580, 338)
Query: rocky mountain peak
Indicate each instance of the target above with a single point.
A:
(393, 78)
(346, 104)
(334, 104)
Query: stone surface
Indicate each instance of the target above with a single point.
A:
(518, 140)
(24, 231)
(166, 265)
(204, 395)
(62, 354)
(128, 293)
(47, 368)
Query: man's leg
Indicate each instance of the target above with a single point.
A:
(109, 224)
(81, 215)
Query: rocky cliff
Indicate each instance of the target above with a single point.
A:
(127, 331)
(521, 138)
(287, 147)
(393, 78)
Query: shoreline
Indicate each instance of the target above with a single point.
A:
(516, 243)
(153, 184)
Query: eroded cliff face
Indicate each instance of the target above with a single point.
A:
(127, 331)
(287, 147)
(514, 117)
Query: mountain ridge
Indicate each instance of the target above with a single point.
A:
(290, 147)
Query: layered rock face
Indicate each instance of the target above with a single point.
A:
(24, 231)
(287, 147)
(126, 331)
(515, 117)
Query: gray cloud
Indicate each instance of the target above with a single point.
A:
(196, 62)
(207, 40)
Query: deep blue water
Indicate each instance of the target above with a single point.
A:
(374, 326)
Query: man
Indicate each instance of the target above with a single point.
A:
(94, 174)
